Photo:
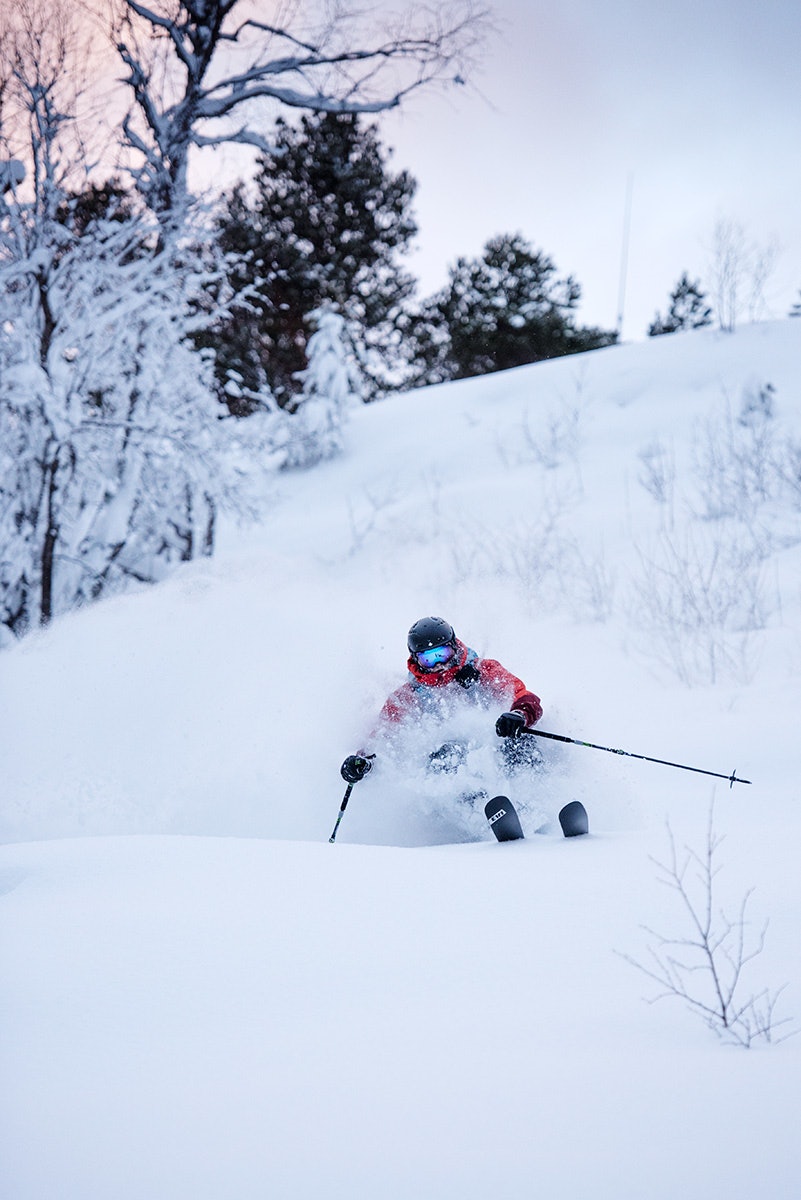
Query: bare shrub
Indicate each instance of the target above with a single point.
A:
(658, 477)
(526, 552)
(735, 460)
(552, 439)
(701, 599)
(588, 585)
(558, 442)
(547, 567)
(788, 467)
(704, 964)
(739, 269)
(367, 514)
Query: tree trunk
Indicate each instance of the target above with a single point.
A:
(49, 546)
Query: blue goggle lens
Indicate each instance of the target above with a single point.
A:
(435, 656)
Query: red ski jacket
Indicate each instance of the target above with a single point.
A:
(484, 678)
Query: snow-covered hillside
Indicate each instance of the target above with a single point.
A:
(228, 1006)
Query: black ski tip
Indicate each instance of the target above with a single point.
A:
(574, 820)
(503, 819)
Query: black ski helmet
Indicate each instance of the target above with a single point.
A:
(429, 632)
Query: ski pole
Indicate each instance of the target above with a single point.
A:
(342, 808)
(367, 763)
(558, 737)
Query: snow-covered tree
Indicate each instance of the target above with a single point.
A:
(323, 223)
(330, 388)
(688, 309)
(199, 70)
(113, 454)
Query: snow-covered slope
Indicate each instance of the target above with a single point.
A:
(240, 1009)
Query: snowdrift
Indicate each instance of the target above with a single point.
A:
(225, 1005)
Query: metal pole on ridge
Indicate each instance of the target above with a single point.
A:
(558, 737)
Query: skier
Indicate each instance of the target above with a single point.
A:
(444, 672)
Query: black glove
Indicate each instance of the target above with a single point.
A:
(510, 724)
(355, 767)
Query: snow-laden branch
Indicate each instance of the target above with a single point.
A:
(242, 137)
(181, 69)
(114, 457)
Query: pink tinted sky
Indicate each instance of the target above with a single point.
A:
(695, 105)
(697, 102)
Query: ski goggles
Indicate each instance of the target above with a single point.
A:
(435, 656)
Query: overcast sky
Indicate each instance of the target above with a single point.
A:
(698, 102)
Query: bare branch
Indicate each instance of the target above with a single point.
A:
(184, 70)
(707, 974)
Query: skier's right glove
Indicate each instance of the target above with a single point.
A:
(509, 724)
(355, 767)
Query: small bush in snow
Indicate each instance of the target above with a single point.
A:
(658, 476)
(704, 963)
(735, 459)
(700, 600)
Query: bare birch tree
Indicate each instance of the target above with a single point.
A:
(204, 72)
(740, 270)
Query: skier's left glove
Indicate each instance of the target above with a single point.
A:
(510, 724)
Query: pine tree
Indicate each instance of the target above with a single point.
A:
(502, 310)
(324, 223)
(688, 309)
